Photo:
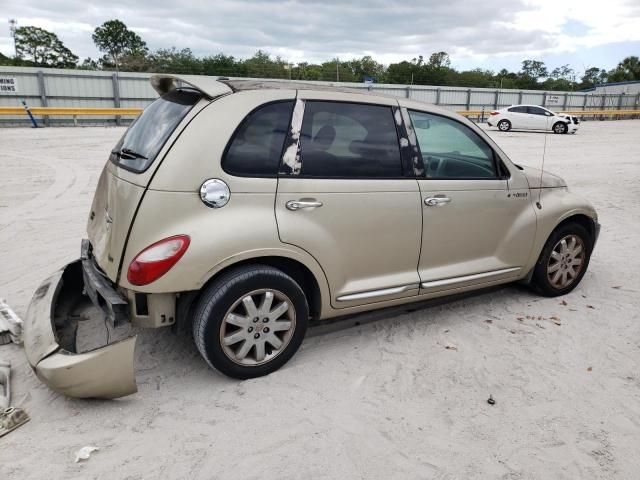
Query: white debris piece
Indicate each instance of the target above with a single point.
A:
(10, 325)
(85, 452)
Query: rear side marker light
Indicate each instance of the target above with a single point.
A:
(157, 259)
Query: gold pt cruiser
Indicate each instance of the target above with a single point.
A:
(246, 209)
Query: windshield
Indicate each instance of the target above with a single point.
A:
(142, 141)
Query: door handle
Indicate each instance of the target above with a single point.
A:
(436, 201)
(298, 204)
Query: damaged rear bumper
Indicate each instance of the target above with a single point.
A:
(59, 316)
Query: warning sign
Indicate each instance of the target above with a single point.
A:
(8, 85)
(553, 99)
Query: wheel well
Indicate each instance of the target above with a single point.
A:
(583, 220)
(296, 270)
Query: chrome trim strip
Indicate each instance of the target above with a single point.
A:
(377, 293)
(466, 278)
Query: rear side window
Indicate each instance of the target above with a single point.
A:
(140, 145)
(451, 150)
(518, 109)
(349, 140)
(256, 148)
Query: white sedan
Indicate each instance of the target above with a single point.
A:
(532, 117)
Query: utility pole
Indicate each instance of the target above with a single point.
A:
(13, 26)
(337, 71)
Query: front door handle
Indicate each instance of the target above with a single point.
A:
(436, 201)
(298, 204)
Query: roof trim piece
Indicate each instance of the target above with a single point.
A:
(239, 85)
(208, 86)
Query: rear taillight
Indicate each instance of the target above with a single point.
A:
(156, 260)
(494, 113)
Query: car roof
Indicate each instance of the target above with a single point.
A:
(215, 86)
(526, 105)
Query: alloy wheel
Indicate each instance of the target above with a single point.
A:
(258, 327)
(566, 262)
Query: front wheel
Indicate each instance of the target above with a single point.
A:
(250, 321)
(563, 261)
(560, 127)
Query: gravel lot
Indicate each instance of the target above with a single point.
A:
(385, 399)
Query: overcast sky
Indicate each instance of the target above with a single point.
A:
(482, 33)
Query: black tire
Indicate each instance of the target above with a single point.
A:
(560, 128)
(504, 125)
(540, 281)
(222, 294)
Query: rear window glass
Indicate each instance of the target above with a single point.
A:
(257, 145)
(140, 144)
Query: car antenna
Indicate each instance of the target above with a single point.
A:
(544, 151)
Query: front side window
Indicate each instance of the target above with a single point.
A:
(144, 139)
(537, 111)
(451, 150)
(256, 148)
(349, 140)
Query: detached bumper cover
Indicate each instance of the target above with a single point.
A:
(50, 330)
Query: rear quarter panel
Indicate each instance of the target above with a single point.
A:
(245, 228)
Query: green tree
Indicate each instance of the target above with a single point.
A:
(117, 41)
(365, 67)
(223, 65)
(175, 61)
(530, 74)
(476, 78)
(439, 60)
(43, 48)
(261, 65)
(404, 72)
(89, 64)
(593, 76)
(627, 70)
(534, 69)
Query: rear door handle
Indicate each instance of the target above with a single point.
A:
(298, 204)
(436, 201)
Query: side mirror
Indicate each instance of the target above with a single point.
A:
(422, 124)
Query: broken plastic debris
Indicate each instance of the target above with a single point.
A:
(5, 384)
(10, 325)
(85, 452)
(11, 418)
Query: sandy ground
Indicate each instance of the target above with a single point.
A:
(382, 400)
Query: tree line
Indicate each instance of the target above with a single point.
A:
(125, 50)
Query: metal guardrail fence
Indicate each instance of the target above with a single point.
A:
(477, 115)
(85, 90)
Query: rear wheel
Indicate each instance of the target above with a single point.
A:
(563, 261)
(250, 321)
(504, 125)
(560, 127)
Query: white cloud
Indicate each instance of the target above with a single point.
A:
(319, 30)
